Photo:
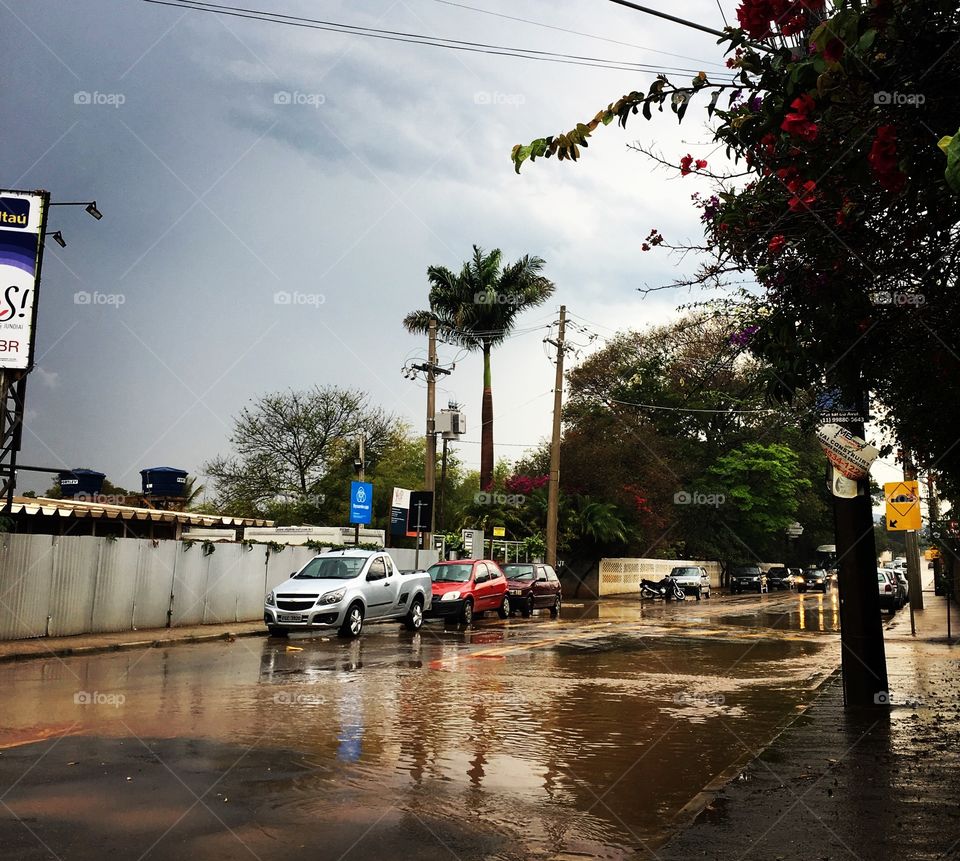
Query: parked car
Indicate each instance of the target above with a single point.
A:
(465, 587)
(903, 587)
(747, 578)
(344, 589)
(778, 577)
(532, 585)
(815, 580)
(886, 581)
(693, 579)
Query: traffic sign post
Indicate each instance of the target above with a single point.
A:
(903, 505)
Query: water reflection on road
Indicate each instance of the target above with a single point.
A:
(525, 738)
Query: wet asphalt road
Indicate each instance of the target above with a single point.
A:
(527, 738)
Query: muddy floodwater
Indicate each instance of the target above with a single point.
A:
(582, 737)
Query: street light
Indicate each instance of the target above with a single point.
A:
(89, 206)
(58, 238)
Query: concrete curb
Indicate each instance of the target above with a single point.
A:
(68, 651)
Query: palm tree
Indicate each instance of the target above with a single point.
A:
(477, 309)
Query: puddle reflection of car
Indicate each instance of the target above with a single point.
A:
(464, 588)
(747, 578)
(815, 580)
(533, 586)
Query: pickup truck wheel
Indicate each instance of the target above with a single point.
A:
(414, 619)
(527, 608)
(276, 631)
(467, 615)
(504, 611)
(555, 609)
(353, 622)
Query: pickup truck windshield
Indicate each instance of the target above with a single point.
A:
(339, 568)
(685, 572)
(450, 573)
(518, 572)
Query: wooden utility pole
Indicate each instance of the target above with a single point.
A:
(430, 465)
(913, 545)
(553, 490)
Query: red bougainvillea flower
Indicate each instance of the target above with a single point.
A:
(833, 50)
(701, 164)
(803, 195)
(883, 160)
(798, 123)
(777, 243)
(685, 163)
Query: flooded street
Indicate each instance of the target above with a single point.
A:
(526, 738)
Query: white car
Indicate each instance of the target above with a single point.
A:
(343, 589)
(693, 579)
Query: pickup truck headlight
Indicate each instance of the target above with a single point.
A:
(450, 596)
(332, 597)
(271, 601)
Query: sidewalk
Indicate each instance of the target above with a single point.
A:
(836, 785)
(84, 644)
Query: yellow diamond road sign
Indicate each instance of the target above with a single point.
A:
(903, 505)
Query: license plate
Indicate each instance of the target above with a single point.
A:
(515, 592)
(292, 617)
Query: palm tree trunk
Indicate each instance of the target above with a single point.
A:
(486, 429)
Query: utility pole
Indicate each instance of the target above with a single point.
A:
(430, 465)
(361, 474)
(553, 490)
(913, 545)
(862, 653)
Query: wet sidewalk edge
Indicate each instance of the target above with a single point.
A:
(89, 644)
(688, 815)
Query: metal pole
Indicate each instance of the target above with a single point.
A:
(443, 485)
(553, 490)
(913, 546)
(362, 475)
(430, 464)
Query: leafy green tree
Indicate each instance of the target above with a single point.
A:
(294, 452)
(477, 309)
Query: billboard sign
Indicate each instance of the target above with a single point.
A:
(399, 511)
(361, 502)
(23, 219)
(421, 511)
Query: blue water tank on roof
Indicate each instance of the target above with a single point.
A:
(163, 481)
(77, 482)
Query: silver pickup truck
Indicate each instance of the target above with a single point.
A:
(342, 589)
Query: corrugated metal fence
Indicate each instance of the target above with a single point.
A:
(60, 585)
(622, 576)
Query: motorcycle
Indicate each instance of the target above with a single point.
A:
(666, 589)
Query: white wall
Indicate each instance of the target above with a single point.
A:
(59, 585)
(622, 576)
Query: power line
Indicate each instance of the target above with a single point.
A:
(684, 409)
(415, 38)
(572, 32)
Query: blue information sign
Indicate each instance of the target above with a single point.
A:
(361, 501)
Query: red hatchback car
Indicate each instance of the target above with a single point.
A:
(463, 587)
(533, 586)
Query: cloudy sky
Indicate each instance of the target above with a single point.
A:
(236, 160)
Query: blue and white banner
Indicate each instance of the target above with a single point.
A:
(22, 221)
